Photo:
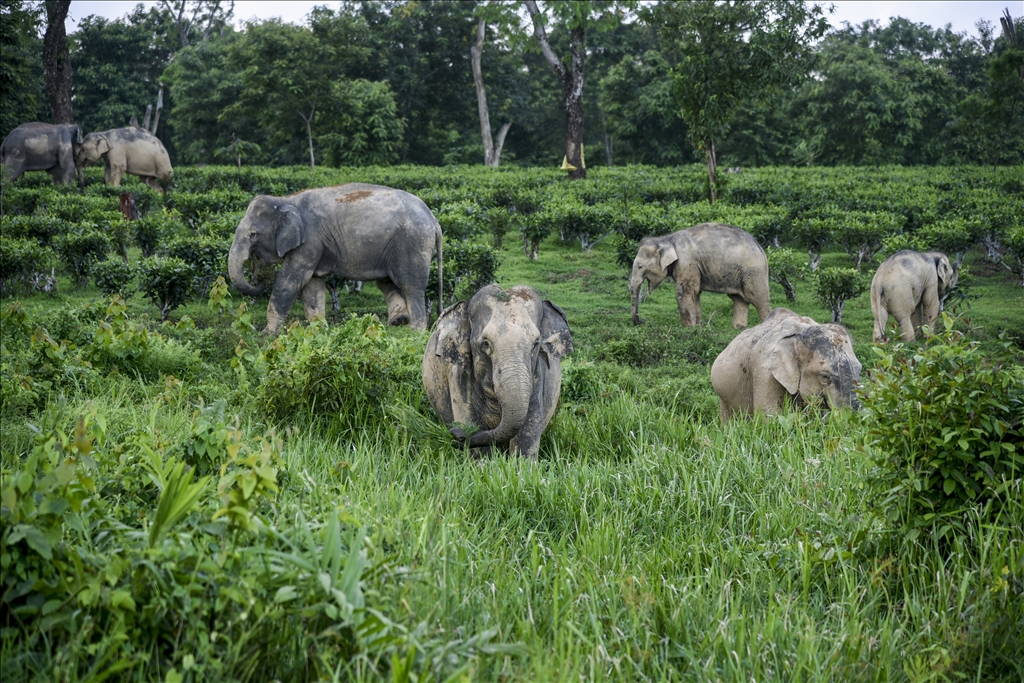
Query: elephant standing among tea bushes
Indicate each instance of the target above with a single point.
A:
(42, 147)
(910, 285)
(355, 232)
(710, 257)
(787, 355)
(127, 150)
(495, 362)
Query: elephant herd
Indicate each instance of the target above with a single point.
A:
(62, 151)
(492, 366)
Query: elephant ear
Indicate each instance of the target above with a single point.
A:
(291, 231)
(102, 144)
(944, 271)
(784, 365)
(556, 339)
(452, 331)
(77, 138)
(668, 256)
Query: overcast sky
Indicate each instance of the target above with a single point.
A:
(961, 15)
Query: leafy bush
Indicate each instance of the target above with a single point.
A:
(835, 286)
(126, 346)
(784, 266)
(1014, 256)
(582, 382)
(150, 232)
(207, 256)
(815, 234)
(80, 249)
(42, 229)
(345, 372)
(944, 430)
(20, 259)
(860, 233)
(168, 281)
(113, 275)
(953, 237)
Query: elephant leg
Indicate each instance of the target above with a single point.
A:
(916, 320)
(398, 308)
(290, 282)
(929, 308)
(740, 311)
(688, 299)
(906, 327)
(417, 301)
(112, 175)
(881, 318)
(724, 412)
(314, 298)
(154, 183)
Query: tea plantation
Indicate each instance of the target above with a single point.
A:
(184, 499)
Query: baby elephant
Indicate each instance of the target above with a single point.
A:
(131, 150)
(495, 362)
(909, 285)
(710, 257)
(786, 355)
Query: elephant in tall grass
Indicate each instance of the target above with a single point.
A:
(494, 362)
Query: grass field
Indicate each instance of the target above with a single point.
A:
(647, 542)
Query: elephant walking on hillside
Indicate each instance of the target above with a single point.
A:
(710, 257)
(130, 150)
(787, 355)
(355, 232)
(910, 285)
(42, 147)
(495, 362)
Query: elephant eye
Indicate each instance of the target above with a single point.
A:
(485, 346)
(825, 377)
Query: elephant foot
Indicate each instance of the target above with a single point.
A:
(400, 319)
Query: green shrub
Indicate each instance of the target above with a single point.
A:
(953, 237)
(113, 275)
(42, 229)
(168, 281)
(1013, 258)
(815, 234)
(20, 259)
(206, 255)
(126, 346)
(784, 266)
(152, 231)
(944, 430)
(835, 286)
(80, 249)
(347, 372)
(582, 382)
(860, 233)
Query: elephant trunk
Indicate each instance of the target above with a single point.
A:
(514, 389)
(236, 258)
(634, 299)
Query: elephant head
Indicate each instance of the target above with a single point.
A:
(505, 342)
(947, 275)
(816, 360)
(654, 262)
(270, 228)
(93, 146)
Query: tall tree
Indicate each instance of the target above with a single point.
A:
(577, 17)
(492, 149)
(21, 75)
(56, 61)
(196, 20)
(727, 52)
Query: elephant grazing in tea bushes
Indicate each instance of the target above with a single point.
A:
(710, 257)
(130, 150)
(42, 147)
(355, 232)
(909, 285)
(495, 362)
(787, 355)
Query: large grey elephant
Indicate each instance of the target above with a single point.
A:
(42, 147)
(787, 355)
(494, 362)
(710, 257)
(909, 285)
(130, 150)
(354, 231)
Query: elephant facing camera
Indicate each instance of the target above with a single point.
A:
(789, 358)
(492, 369)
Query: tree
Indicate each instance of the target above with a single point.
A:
(492, 150)
(205, 17)
(577, 17)
(56, 62)
(21, 75)
(731, 52)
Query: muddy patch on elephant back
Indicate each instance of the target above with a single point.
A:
(353, 197)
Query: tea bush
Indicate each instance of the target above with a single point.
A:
(835, 286)
(785, 266)
(113, 275)
(167, 281)
(206, 255)
(20, 259)
(944, 427)
(80, 249)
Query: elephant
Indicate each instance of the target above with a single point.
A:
(910, 285)
(127, 150)
(42, 147)
(494, 362)
(710, 257)
(787, 355)
(355, 232)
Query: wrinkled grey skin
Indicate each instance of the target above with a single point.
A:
(710, 257)
(42, 147)
(127, 150)
(354, 231)
(910, 285)
(495, 362)
(786, 355)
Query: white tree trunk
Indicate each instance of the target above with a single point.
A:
(492, 150)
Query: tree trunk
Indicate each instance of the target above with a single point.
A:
(57, 62)
(492, 151)
(572, 88)
(309, 136)
(709, 152)
(159, 108)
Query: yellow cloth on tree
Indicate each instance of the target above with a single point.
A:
(566, 166)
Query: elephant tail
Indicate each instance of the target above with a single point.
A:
(440, 272)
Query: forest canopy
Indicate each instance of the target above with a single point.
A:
(391, 82)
